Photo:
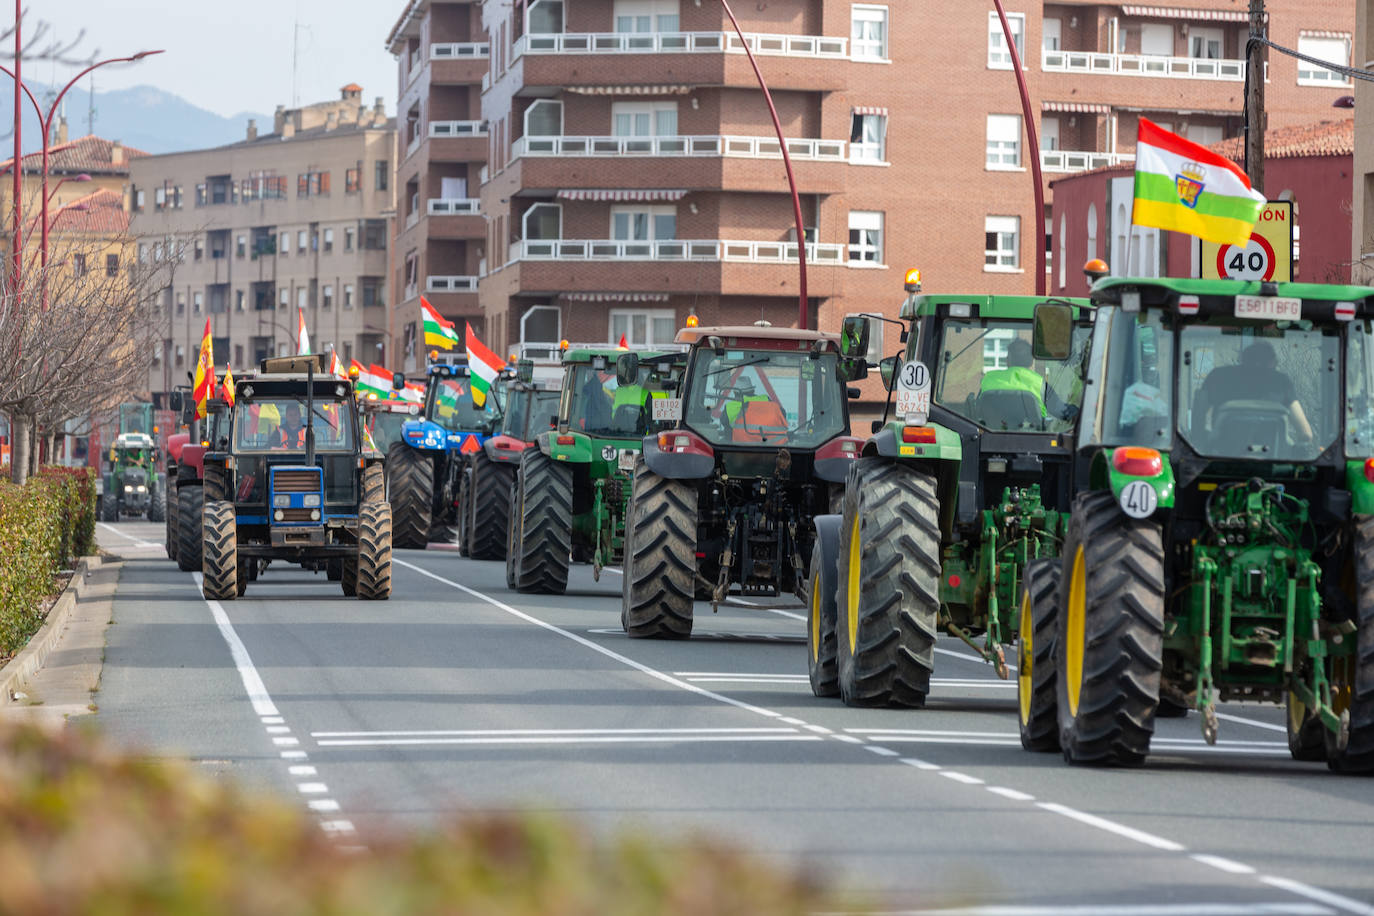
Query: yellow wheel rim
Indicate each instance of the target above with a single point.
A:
(1297, 712)
(1075, 630)
(1025, 657)
(851, 604)
(816, 616)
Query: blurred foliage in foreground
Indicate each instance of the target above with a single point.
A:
(86, 830)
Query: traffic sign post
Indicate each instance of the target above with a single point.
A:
(1267, 256)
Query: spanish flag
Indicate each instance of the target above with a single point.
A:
(205, 373)
(226, 389)
(1185, 187)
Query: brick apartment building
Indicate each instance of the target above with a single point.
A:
(632, 177)
(295, 218)
(1362, 193)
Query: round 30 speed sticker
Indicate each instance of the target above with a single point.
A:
(1138, 499)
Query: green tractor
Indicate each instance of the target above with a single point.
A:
(966, 480)
(1220, 544)
(132, 485)
(569, 495)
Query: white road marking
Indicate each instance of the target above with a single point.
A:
(137, 542)
(791, 720)
(293, 755)
(818, 729)
(921, 764)
(286, 742)
(881, 751)
(970, 658)
(324, 804)
(961, 777)
(1013, 794)
(278, 729)
(257, 691)
(1256, 723)
(302, 771)
(552, 732)
(566, 739)
(339, 826)
(312, 788)
(1129, 909)
(1121, 830)
(1227, 865)
(849, 739)
(1339, 901)
(272, 720)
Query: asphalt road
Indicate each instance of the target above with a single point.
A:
(457, 695)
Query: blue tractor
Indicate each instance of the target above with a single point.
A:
(424, 467)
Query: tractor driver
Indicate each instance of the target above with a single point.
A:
(291, 433)
(1254, 379)
(1019, 376)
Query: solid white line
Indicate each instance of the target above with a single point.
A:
(970, 658)
(1267, 726)
(1229, 866)
(737, 674)
(920, 764)
(961, 777)
(607, 739)
(1013, 794)
(884, 732)
(790, 720)
(257, 690)
(595, 647)
(552, 732)
(137, 542)
(789, 681)
(818, 729)
(312, 788)
(1315, 893)
(1121, 830)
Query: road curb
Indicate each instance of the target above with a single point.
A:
(30, 659)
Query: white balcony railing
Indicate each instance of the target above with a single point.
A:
(704, 146)
(1063, 160)
(450, 284)
(457, 128)
(460, 50)
(680, 43)
(1142, 65)
(454, 206)
(672, 250)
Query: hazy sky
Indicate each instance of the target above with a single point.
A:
(230, 56)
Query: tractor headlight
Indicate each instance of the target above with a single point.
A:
(128, 488)
(314, 515)
(279, 515)
(311, 501)
(281, 500)
(142, 488)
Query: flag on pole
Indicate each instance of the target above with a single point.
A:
(226, 390)
(205, 373)
(373, 379)
(1185, 187)
(622, 345)
(413, 392)
(302, 336)
(336, 366)
(483, 367)
(439, 332)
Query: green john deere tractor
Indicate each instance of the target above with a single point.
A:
(1220, 544)
(573, 484)
(966, 480)
(133, 485)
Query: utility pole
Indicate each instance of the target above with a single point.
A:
(1255, 119)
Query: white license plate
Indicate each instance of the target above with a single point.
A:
(1269, 308)
(627, 460)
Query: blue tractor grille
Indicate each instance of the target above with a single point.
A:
(296, 496)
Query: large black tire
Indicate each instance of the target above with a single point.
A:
(190, 511)
(659, 581)
(888, 586)
(1353, 680)
(489, 497)
(170, 518)
(219, 552)
(1110, 640)
(1036, 691)
(216, 487)
(374, 484)
(348, 577)
(545, 514)
(410, 483)
(822, 662)
(157, 505)
(512, 530)
(333, 570)
(465, 512)
(374, 552)
(109, 507)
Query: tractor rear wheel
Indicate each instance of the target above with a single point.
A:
(465, 514)
(109, 507)
(216, 486)
(822, 650)
(411, 485)
(374, 552)
(545, 518)
(488, 495)
(1110, 639)
(659, 581)
(374, 484)
(512, 530)
(157, 506)
(190, 510)
(1035, 680)
(888, 586)
(1352, 676)
(219, 553)
(171, 519)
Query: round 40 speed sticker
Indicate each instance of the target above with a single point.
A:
(1138, 499)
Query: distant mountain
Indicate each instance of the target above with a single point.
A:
(143, 117)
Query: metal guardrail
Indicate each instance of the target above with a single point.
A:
(457, 128)
(1142, 65)
(453, 206)
(1060, 160)
(450, 284)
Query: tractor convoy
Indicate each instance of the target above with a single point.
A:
(1139, 504)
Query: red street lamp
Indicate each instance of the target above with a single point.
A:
(1033, 141)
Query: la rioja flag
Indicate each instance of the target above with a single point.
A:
(483, 367)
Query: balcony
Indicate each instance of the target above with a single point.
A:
(451, 206)
(707, 146)
(435, 284)
(752, 252)
(459, 62)
(440, 129)
(451, 141)
(455, 218)
(460, 50)
(1197, 68)
(1061, 160)
(680, 43)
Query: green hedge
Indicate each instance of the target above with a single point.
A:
(44, 526)
(83, 830)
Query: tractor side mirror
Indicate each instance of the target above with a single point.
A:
(854, 370)
(854, 336)
(627, 369)
(398, 381)
(1052, 331)
(887, 368)
(553, 421)
(876, 426)
(524, 370)
(853, 393)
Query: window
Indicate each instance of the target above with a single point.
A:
(372, 291)
(157, 252)
(1050, 34)
(160, 198)
(201, 195)
(353, 181)
(412, 273)
(868, 32)
(181, 304)
(544, 118)
(348, 295)
(197, 301)
(644, 119)
(1004, 141)
(142, 253)
(1205, 134)
(1204, 43)
(643, 224)
(300, 240)
(312, 184)
(241, 246)
(374, 234)
(867, 138)
(865, 237)
(327, 296)
(1002, 250)
(1333, 48)
(348, 238)
(643, 328)
(302, 297)
(545, 17)
(284, 246)
(1049, 132)
(542, 221)
(328, 240)
(284, 297)
(1157, 39)
(382, 174)
(79, 265)
(999, 55)
(238, 354)
(238, 300)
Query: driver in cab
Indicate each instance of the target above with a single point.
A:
(1019, 376)
(1254, 379)
(291, 433)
